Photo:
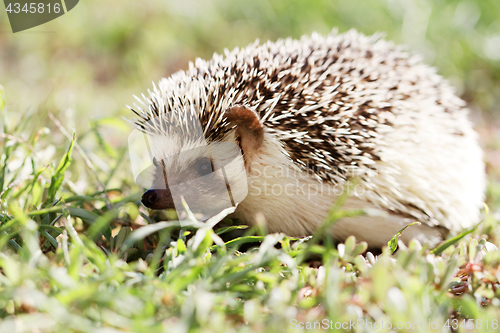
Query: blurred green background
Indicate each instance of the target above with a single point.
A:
(85, 66)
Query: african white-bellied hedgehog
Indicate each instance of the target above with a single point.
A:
(308, 116)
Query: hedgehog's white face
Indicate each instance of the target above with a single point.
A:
(209, 176)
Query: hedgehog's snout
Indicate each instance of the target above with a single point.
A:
(158, 199)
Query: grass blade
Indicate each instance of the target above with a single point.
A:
(393, 243)
(58, 177)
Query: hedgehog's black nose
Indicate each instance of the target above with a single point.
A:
(149, 198)
(158, 199)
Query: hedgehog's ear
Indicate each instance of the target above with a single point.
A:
(249, 129)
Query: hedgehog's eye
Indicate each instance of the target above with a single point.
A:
(155, 161)
(203, 166)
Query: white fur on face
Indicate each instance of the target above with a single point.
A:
(177, 162)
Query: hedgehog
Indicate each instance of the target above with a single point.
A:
(311, 116)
